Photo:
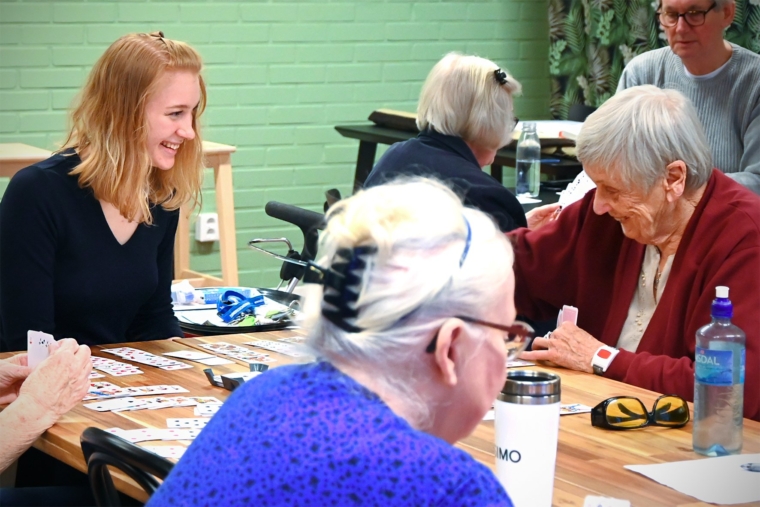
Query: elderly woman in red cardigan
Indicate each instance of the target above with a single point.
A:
(640, 256)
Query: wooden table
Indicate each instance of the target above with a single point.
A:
(370, 135)
(589, 461)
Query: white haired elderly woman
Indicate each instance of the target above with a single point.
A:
(640, 256)
(411, 335)
(464, 115)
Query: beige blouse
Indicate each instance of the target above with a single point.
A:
(644, 301)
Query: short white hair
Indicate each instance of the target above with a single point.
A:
(462, 97)
(415, 281)
(640, 131)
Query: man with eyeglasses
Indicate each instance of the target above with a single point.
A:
(721, 79)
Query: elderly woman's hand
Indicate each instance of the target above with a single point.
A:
(13, 372)
(542, 215)
(569, 346)
(61, 380)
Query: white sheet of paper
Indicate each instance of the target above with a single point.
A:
(550, 129)
(215, 361)
(37, 347)
(526, 199)
(719, 480)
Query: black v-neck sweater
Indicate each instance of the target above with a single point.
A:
(63, 272)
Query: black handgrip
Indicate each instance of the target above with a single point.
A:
(308, 221)
(304, 219)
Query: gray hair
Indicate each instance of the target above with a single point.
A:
(462, 97)
(412, 284)
(640, 131)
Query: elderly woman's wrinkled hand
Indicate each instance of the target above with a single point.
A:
(569, 346)
(13, 372)
(61, 380)
(542, 215)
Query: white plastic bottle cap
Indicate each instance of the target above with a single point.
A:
(721, 291)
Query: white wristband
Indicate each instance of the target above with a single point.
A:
(603, 358)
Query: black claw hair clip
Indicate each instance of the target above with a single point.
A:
(342, 281)
(500, 76)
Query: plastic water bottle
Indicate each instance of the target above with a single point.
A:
(719, 382)
(528, 162)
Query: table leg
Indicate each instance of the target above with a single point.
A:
(364, 163)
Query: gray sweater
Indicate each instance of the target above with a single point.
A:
(728, 105)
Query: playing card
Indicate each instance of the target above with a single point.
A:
(180, 434)
(288, 349)
(192, 355)
(139, 435)
(203, 400)
(293, 339)
(101, 390)
(104, 390)
(567, 314)
(574, 408)
(206, 409)
(114, 368)
(94, 374)
(188, 422)
(117, 404)
(167, 451)
(236, 352)
(140, 356)
(37, 347)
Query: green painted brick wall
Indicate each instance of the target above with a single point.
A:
(280, 76)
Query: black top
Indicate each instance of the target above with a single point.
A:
(63, 272)
(449, 159)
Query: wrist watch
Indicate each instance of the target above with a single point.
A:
(602, 359)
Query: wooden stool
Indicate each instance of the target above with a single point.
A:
(16, 156)
(217, 156)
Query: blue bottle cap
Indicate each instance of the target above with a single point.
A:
(721, 305)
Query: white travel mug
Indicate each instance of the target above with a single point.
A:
(526, 422)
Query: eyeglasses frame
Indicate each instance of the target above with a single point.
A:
(515, 329)
(683, 15)
(599, 414)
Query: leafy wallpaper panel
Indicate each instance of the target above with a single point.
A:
(592, 40)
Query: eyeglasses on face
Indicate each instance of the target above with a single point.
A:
(692, 18)
(516, 337)
(626, 413)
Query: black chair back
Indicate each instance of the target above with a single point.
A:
(102, 449)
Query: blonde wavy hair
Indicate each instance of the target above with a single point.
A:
(109, 131)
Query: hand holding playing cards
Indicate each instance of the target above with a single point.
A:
(542, 215)
(61, 380)
(569, 346)
(13, 372)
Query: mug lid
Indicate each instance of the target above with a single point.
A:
(531, 383)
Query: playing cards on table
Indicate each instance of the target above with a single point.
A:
(142, 357)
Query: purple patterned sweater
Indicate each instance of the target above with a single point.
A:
(310, 435)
